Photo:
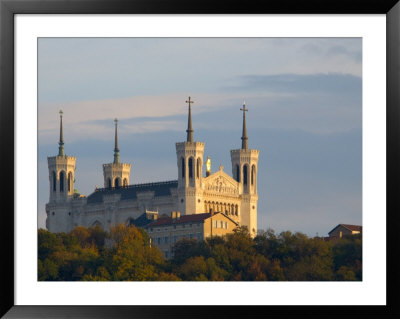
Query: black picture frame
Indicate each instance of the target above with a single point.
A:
(8, 8)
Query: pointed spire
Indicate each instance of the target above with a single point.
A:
(244, 133)
(116, 149)
(61, 142)
(189, 130)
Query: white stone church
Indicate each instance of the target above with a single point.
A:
(192, 193)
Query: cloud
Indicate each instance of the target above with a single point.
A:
(333, 83)
(95, 69)
(137, 114)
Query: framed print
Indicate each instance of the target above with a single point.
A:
(320, 131)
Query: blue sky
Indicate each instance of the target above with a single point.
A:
(304, 97)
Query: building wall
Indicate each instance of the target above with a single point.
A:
(222, 227)
(164, 237)
(110, 212)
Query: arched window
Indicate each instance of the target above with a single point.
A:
(69, 181)
(198, 168)
(117, 183)
(183, 167)
(245, 175)
(54, 181)
(237, 173)
(125, 182)
(62, 178)
(109, 183)
(253, 174)
(190, 167)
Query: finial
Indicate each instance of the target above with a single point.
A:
(244, 132)
(116, 149)
(221, 167)
(189, 130)
(61, 142)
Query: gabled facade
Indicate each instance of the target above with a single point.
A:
(344, 230)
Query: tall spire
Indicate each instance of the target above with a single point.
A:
(189, 130)
(61, 142)
(244, 133)
(116, 149)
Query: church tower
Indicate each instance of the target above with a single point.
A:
(244, 170)
(190, 171)
(116, 174)
(61, 178)
(61, 171)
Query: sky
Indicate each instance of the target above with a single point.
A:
(304, 97)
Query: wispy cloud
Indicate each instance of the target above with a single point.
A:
(334, 83)
(137, 114)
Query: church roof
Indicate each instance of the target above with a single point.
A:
(130, 192)
(162, 221)
(182, 219)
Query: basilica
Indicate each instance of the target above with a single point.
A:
(193, 192)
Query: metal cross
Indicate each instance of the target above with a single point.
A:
(244, 107)
(190, 101)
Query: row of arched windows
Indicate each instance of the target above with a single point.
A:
(191, 167)
(245, 174)
(62, 181)
(117, 183)
(227, 208)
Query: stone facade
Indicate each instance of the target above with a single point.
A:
(192, 193)
(166, 231)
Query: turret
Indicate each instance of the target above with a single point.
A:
(244, 170)
(61, 171)
(116, 174)
(190, 169)
(61, 180)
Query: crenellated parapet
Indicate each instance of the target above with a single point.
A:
(116, 174)
(116, 167)
(244, 155)
(189, 148)
(60, 160)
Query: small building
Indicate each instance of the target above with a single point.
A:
(344, 230)
(166, 231)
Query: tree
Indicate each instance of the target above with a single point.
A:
(194, 269)
(132, 257)
(347, 253)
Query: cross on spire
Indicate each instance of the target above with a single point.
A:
(116, 149)
(61, 141)
(189, 130)
(244, 132)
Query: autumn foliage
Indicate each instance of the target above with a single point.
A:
(124, 254)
